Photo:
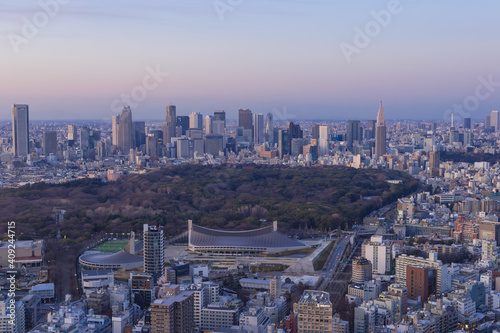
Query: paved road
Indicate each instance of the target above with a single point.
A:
(334, 262)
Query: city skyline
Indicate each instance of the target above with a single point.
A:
(310, 59)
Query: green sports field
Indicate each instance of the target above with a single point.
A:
(111, 246)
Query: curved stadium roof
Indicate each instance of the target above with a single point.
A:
(118, 258)
(265, 237)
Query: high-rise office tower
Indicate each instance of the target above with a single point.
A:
(115, 123)
(380, 133)
(72, 135)
(139, 130)
(219, 123)
(220, 115)
(284, 143)
(353, 133)
(487, 122)
(268, 133)
(258, 129)
(245, 119)
(467, 123)
(314, 311)
(101, 149)
(125, 131)
(208, 125)
(49, 142)
(371, 127)
(84, 138)
(323, 140)
(20, 129)
(295, 131)
(315, 132)
(196, 120)
(169, 127)
(434, 159)
(183, 123)
(153, 250)
(152, 146)
(495, 121)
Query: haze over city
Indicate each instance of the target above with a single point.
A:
(260, 55)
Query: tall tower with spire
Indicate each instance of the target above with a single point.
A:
(380, 133)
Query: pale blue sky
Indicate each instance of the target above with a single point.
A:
(261, 55)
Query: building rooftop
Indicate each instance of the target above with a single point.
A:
(117, 258)
(266, 237)
(314, 296)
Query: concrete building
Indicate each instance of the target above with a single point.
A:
(142, 288)
(93, 280)
(173, 314)
(361, 270)
(154, 262)
(12, 315)
(253, 320)
(379, 253)
(420, 282)
(364, 292)
(222, 314)
(275, 288)
(489, 251)
(314, 312)
(365, 318)
(400, 291)
(32, 310)
(443, 277)
(46, 291)
(200, 300)
(28, 253)
(339, 325)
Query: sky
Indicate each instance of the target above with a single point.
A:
(314, 59)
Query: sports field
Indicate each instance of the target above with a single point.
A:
(111, 246)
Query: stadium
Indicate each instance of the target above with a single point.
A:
(121, 260)
(261, 241)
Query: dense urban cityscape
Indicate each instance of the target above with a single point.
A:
(424, 263)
